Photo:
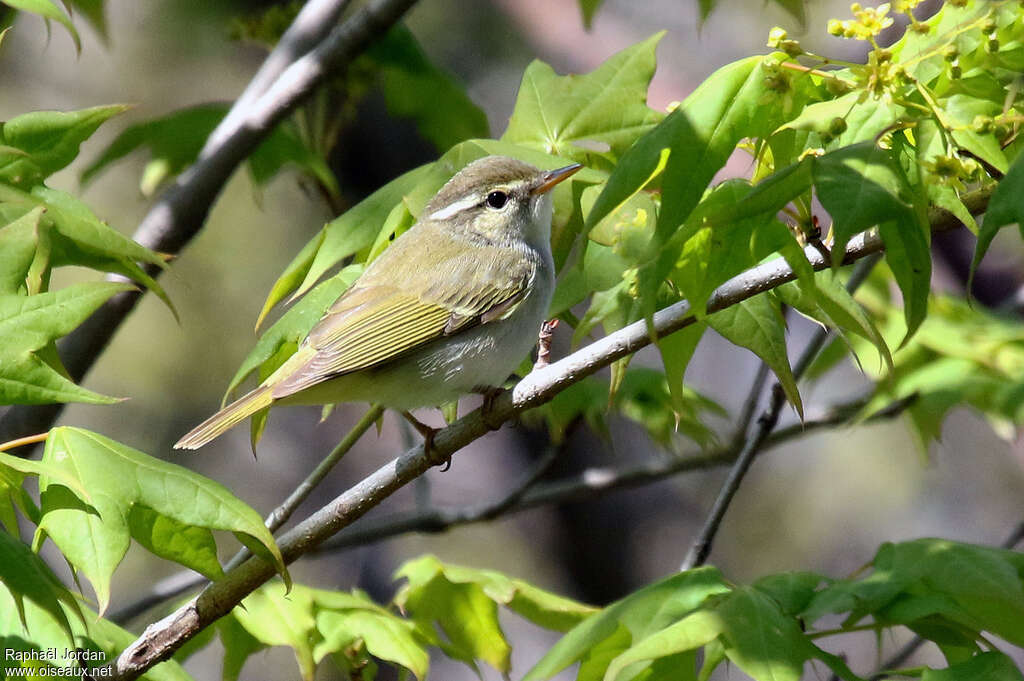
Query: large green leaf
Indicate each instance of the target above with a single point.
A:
(633, 618)
(42, 640)
(28, 326)
(990, 666)
(38, 144)
(462, 610)
(766, 643)
(689, 633)
(26, 577)
(540, 607)
(757, 324)
(168, 509)
(600, 113)
(346, 620)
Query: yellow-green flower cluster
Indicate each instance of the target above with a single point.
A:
(867, 23)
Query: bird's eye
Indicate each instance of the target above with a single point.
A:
(497, 200)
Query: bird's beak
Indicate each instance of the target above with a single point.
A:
(552, 177)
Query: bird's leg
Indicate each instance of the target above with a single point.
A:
(547, 331)
(428, 434)
(489, 394)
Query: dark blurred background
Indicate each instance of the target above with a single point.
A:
(822, 503)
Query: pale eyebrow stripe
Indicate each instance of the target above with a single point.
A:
(457, 207)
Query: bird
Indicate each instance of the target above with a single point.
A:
(452, 306)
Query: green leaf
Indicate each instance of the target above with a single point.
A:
(864, 121)
(92, 10)
(761, 640)
(40, 143)
(715, 253)
(344, 620)
(908, 253)
(676, 351)
(48, 9)
(689, 633)
(463, 611)
(28, 325)
(25, 576)
(640, 614)
(537, 605)
(275, 620)
(284, 147)
(349, 233)
(860, 186)
(791, 591)
(293, 275)
(828, 302)
(757, 324)
(600, 113)
(175, 140)
(18, 243)
(44, 637)
(43, 468)
(136, 495)
(415, 88)
(990, 666)
(1004, 208)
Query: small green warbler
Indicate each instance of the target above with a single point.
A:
(451, 307)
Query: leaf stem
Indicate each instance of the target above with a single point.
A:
(22, 441)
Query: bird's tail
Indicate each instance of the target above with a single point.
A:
(227, 418)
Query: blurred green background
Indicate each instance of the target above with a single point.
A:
(823, 503)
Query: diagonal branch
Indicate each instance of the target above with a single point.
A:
(159, 641)
(528, 494)
(180, 212)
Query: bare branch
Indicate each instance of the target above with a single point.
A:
(589, 484)
(180, 212)
(159, 641)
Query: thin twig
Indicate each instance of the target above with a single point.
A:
(181, 211)
(183, 582)
(701, 546)
(280, 515)
(750, 404)
(159, 641)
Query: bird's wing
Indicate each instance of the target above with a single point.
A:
(375, 322)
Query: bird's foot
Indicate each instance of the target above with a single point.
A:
(487, 409)
(428, 433)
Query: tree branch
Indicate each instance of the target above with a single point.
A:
(181, 211)
(701, 546)
(159, 641)
(589, 484)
